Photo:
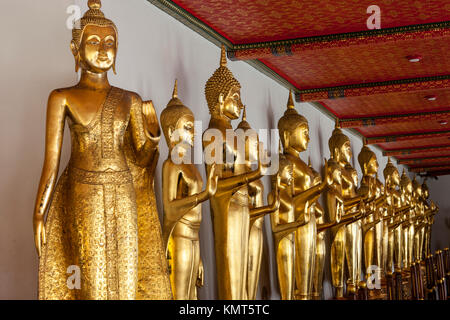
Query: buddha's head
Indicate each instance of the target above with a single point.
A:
(94, 41)
(293, 128)
(417, 189)
(391, 175)
(368, 161)
(406, 184)
(251, 140)
(177, 122)
(425, 190)
(339, 144)
(223, 92)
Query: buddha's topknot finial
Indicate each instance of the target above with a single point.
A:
(175, 89)
(94, 4)
(223, 57)
(336, 124)
(244, 125)
(290, 103)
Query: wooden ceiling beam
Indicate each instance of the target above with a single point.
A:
(407, 137)
(403, 152)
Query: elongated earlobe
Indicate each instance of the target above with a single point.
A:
(286, 140)
(114, 67)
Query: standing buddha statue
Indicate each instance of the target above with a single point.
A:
(344, 236)
(284, 224)
(182, 198)
(294, 134)
(407, 225)
(257, 208)
(419, 221)
(430, 211)
(370, 188)
(102, 214)
(230, 205)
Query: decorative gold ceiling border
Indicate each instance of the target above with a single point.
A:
(395, 118)
(418, 161)
(403, 152)
(407, 137)
(371, 88)
(431, 169)
(265, 50)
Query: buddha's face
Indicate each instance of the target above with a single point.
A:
(98, 48)
(232, 104)
(185, 130)
(346, 152)
(299, 138)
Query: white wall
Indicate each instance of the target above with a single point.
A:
(34, 59)
(154, 49)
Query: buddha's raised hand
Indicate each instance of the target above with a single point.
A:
(151, 126)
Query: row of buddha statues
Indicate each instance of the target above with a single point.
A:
(101, 215)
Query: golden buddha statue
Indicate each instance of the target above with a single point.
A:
(430, 211)
(102, 215)
(371, 188)
(257, 208)
(294, 134)
(284, 225)
(392, 251)
(230, 205)
(419, 226)
(407, 226)
(182, 198)
(335, 183)
(342, 201)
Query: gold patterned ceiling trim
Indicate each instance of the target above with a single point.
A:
(384, 86)
(407, 137)
(408, 151)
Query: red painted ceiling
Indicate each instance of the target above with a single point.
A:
(343, 60)
(363, 63)
(250, 21)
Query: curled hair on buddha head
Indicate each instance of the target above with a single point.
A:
(221, 82)
(94, 16)
(389, 170)
(174, 111)
(337, 139)
(290, 120)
